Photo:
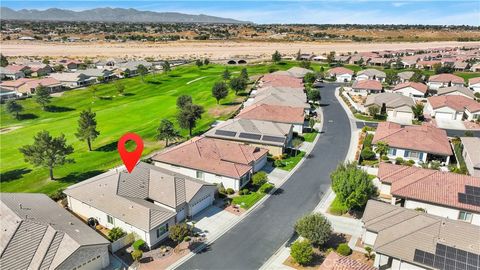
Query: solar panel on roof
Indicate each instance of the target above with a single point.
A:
(225, 133)
(446, 258)
(471, 190)
(249, 136)
(273, 139)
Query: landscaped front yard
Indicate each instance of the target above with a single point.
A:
(253, 195)
(309, 136)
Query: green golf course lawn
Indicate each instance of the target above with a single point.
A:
(139, 110)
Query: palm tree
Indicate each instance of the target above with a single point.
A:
(382, 148)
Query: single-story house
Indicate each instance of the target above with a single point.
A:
(280, 98)
(379, 61)
(428, 64)
(97, 73)
(342, 58)
(73, 79)
(456, 90)
(341, 74)
(275, 137)
(334, 261)
(411, 89)
(418, 143)
(444, 80)
(275, 113)
(406, 239)
(299, 72)
(40, 69)
(10, 74)
(409, 62)
(453, 108)
(418, 188)
(474, 84)
(371, 74)
(397, 107)
(366, 87)
(27, 86)
(214, 161)
(405, 76)
(460, 66)
(6, 94)
(471, 154)
(37, 233)
(319, 58)
(279, 80)
(71, 65)
(144, 202)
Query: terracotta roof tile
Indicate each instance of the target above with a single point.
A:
(418, 86)
(474, 80)
(458, 103)
(445, 77)
(335, 261)
(274, 113)
(339, 71)
(368, 84)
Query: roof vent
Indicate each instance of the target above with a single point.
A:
(70, 223)
(20, 205)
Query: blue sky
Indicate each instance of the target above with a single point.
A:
(303, 11)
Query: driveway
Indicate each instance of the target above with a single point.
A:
(449, 124)
(213, 221)
(250, 243)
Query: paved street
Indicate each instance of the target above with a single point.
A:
(252, 241)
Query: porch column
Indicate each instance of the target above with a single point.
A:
(447, 161)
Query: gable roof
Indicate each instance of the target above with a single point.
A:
(339, 71)
(445, 78)
(213, 155)
(401, 231)
(456, 102)
(370, 72)
(283, 79)
(460, 89)
(299, 72)
(419, 138)
(391, 100)
(274, 113)
(415, 85)
(334, 261)
(474, 80)
(368, 84)
(37, 232)
(282, 99)
(431, 186)
(471, 145)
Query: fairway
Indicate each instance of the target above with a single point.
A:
(139, 110)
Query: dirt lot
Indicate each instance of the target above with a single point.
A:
(210, 49)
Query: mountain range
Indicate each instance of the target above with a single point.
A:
(109, 15)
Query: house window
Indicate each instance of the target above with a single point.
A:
(392, 151)
(162, 230)
(465, 216)
(411, 154)
(200, 175)
(110, 219)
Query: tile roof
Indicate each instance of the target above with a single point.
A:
(213, 155)
(419, 138)
(474, 80)
(281, 80)
(34, 227)
(472, 146)
(334, 261)
(274, 113)
(370, 72)
(368, 84)
(456, 102)
(400, 231)
(282, 99)
(415, 85)
(452, 89)
(391, 100)
(339, 71)
(445, 78)
(431, 186)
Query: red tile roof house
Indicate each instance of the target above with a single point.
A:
(334, 261)
(474, 84)
(341, 74)
(437, 193)
(455, 107)
(214, 161)
(421, 144)
(444, 80)
(276, 80)
(27, 86)
(411, 89)
(277, 114)
(366, 87)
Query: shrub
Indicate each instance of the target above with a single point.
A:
(314, 227)
(337, 208)
(385, 158)
(278, 163)
(178, 232)
(265, 188)
(344, 249)
(137, 255)
(244, 191)
(399, 161)
(58, 195)
(186, 239)
(368, 140)
(116, 233)
(259, 178)
(367, 154)
(302, 252)
(230, 191)
(137, 245)
(410, 163)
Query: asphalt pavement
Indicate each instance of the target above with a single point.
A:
(252, 241)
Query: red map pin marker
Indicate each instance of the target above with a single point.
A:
(130, 159)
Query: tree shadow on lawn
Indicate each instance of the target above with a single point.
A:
(128, 94)
(106, 98)
(154, 82)
(53, 108)
(27, 116)
(174, 75)
(107, 147)
(13, 174)
(76, 177)
(232, 103)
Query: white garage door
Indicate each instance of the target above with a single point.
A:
(405, 115)
(443, 116)
(202, 204)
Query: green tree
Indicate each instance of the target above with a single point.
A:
(296, 142)
(331, 57)
(244, 74)
(302, 252)
(311, 123)
(45, 61)
(373, 110)
(314, 95)
(199, 63)
(344, 250)
(206, 62)
(59, 68)
(352, 185)
(116, 233)
(367, 153)
(314, 227)
(305, 64)
(3, 60)
(14, 108)
(417, 110)
(142, 70)
(166, 67)
(417, 76)
(178, 232)
(187, 116)
(391, 78)
(87, 128)
(137, 255)
(276, 57)
(167, 132)
(259, 178)
(238, 84)
(100, 79)
(226, 74)
(183, 101)
(120, 87)
(219, 91)
(42, 96)
(47, 151)
(310, 77)
(382, 148)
